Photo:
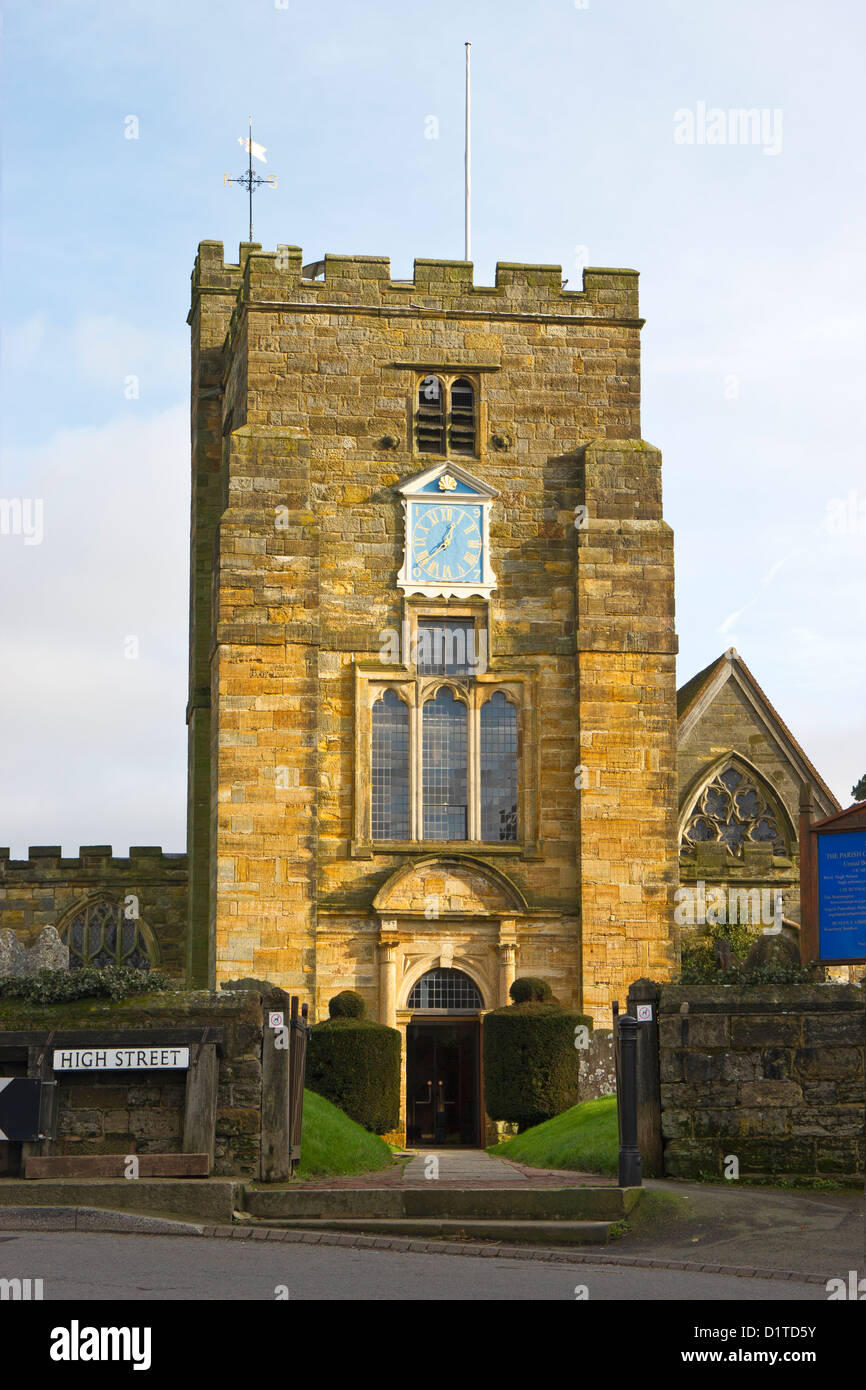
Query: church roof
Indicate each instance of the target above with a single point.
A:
(697, 693)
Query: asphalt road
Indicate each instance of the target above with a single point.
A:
(84, 1267)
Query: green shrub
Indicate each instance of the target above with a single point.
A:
(708, 974)
(528, 988)
(698, 948)
(355, 1064)
(90, 982)
(347, 1004)
(531, 1065)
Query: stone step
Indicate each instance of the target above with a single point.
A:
(452, 1204)
(208, 1199)
(116, 1165)
(546, 1232)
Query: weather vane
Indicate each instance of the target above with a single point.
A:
(249, 180)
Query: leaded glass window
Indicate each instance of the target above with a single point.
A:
(498, 769)
(390, 768)
(444, 767)
(446, 648)
(734, 811)
(445, 989)
(101, 933)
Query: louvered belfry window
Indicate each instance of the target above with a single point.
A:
(430, 420)
(461, 425)
(445, 416)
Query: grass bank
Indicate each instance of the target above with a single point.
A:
(583, 1138)
(332, 1144)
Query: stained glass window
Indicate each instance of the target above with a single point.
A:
(390, 768)
(445, 989)
(498, 769)
(100, 933)
(444, 767)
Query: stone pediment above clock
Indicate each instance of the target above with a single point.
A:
(446, 533)
(445, 478)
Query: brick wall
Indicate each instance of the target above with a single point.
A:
(771, 1075)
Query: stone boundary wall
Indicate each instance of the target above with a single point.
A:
(598, 1066)
(39, 891)
(774, 1075)
(142, 1112)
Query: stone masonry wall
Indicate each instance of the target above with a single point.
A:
(43, 889)
(773, 1075)
(315, 377)
(142, 1112)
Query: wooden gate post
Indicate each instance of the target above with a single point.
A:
(275, 1163)
(643, 1005)
(200, 1106)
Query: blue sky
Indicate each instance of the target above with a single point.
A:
(751, 283)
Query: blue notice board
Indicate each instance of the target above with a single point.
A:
(842, 895)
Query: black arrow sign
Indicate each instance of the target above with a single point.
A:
(20, 1098)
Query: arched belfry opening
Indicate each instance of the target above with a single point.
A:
(443, 1060)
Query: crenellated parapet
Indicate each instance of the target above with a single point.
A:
(47, 888)
(281, 276)
(42, 859)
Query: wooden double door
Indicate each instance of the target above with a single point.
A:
(443, 1082)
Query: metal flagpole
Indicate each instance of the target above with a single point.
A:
(468, 222)
(251, 177)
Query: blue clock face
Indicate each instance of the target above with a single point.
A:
(446, 542)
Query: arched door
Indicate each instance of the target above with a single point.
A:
(443, 1061)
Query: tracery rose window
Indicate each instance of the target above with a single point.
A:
(732, 810)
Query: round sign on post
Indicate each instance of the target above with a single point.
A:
(644, 1013)
(276, 1020)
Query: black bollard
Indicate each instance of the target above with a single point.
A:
(629, 1153)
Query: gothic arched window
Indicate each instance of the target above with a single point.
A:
(445, 989)
(101, 932)
(444, 767)
(734, 810)
(498, 769)
(390, 768)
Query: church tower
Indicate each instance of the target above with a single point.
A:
(432, 713)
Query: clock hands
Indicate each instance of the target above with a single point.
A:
(444, 543)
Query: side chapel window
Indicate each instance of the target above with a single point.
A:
(100, 933)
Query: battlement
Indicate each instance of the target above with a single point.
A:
(277, 277)
(91, 857)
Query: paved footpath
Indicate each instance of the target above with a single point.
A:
(465, 1168)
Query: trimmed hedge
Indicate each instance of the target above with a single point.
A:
(529, 987)
(355, 1064)
(347, 1004)
(531, 1065)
